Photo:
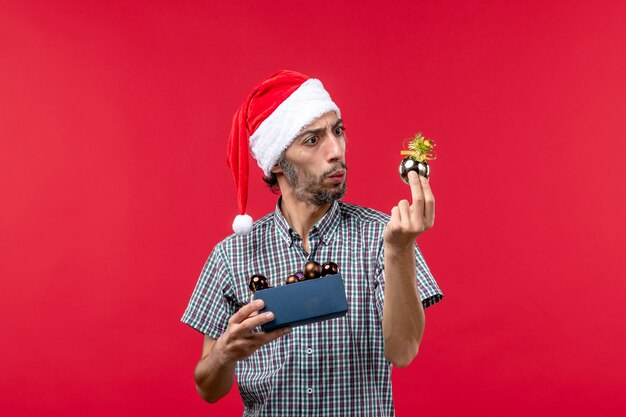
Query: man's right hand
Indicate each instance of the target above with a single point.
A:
(215, 371)
(239, 340)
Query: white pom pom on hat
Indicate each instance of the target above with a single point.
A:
(242, 225)
(266, 123)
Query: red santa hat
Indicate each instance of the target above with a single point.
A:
(267, 122)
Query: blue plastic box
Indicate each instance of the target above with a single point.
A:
(304, 302)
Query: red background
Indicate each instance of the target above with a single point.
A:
(113, 185)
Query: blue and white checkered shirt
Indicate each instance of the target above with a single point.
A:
(332, 368)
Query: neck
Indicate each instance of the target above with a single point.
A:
(301, 215)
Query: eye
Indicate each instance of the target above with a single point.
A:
(312, 140)
(339, 130)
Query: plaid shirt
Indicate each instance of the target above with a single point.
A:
(332, 368)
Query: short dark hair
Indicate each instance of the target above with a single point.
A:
(272, 180)
(272, 183)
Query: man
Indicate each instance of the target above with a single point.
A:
(339, 367)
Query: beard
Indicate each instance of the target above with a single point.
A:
(310, 188)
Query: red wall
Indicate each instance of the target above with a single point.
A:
(114, 118)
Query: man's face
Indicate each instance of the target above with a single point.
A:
(314, 164)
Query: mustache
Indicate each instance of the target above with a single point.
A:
(336, 167)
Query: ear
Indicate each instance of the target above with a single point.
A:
(276, 169)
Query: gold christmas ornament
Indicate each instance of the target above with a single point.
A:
(420, 151)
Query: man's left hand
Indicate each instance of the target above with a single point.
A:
(409, 221)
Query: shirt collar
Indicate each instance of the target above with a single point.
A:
(325, 227)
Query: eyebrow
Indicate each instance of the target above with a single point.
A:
(339, 122)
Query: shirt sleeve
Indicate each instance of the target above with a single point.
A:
(208, 310)
(427, 286)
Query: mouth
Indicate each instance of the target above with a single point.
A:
(337, 176)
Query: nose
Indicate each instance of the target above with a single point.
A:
(335, 148)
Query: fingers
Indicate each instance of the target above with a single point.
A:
(248, 317)
(409, 221)
(417, 194)
(246, 311)
(255, 321)
(256, 340)
(423, 207)
(405, 212)
(429, 203)
(274, 334)
(239, 341)
(395, 215)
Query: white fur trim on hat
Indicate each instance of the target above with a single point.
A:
(300, 109)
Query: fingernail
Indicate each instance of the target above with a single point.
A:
(412, 175)
(259, 303)
(270, 315)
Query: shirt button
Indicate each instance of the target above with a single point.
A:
(309, 391)
(309, 351)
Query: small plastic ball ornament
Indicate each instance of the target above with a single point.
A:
(410, 164)
(312, 270)
(419, 151)
(329, 268)
(258, 282)
(292, 279)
